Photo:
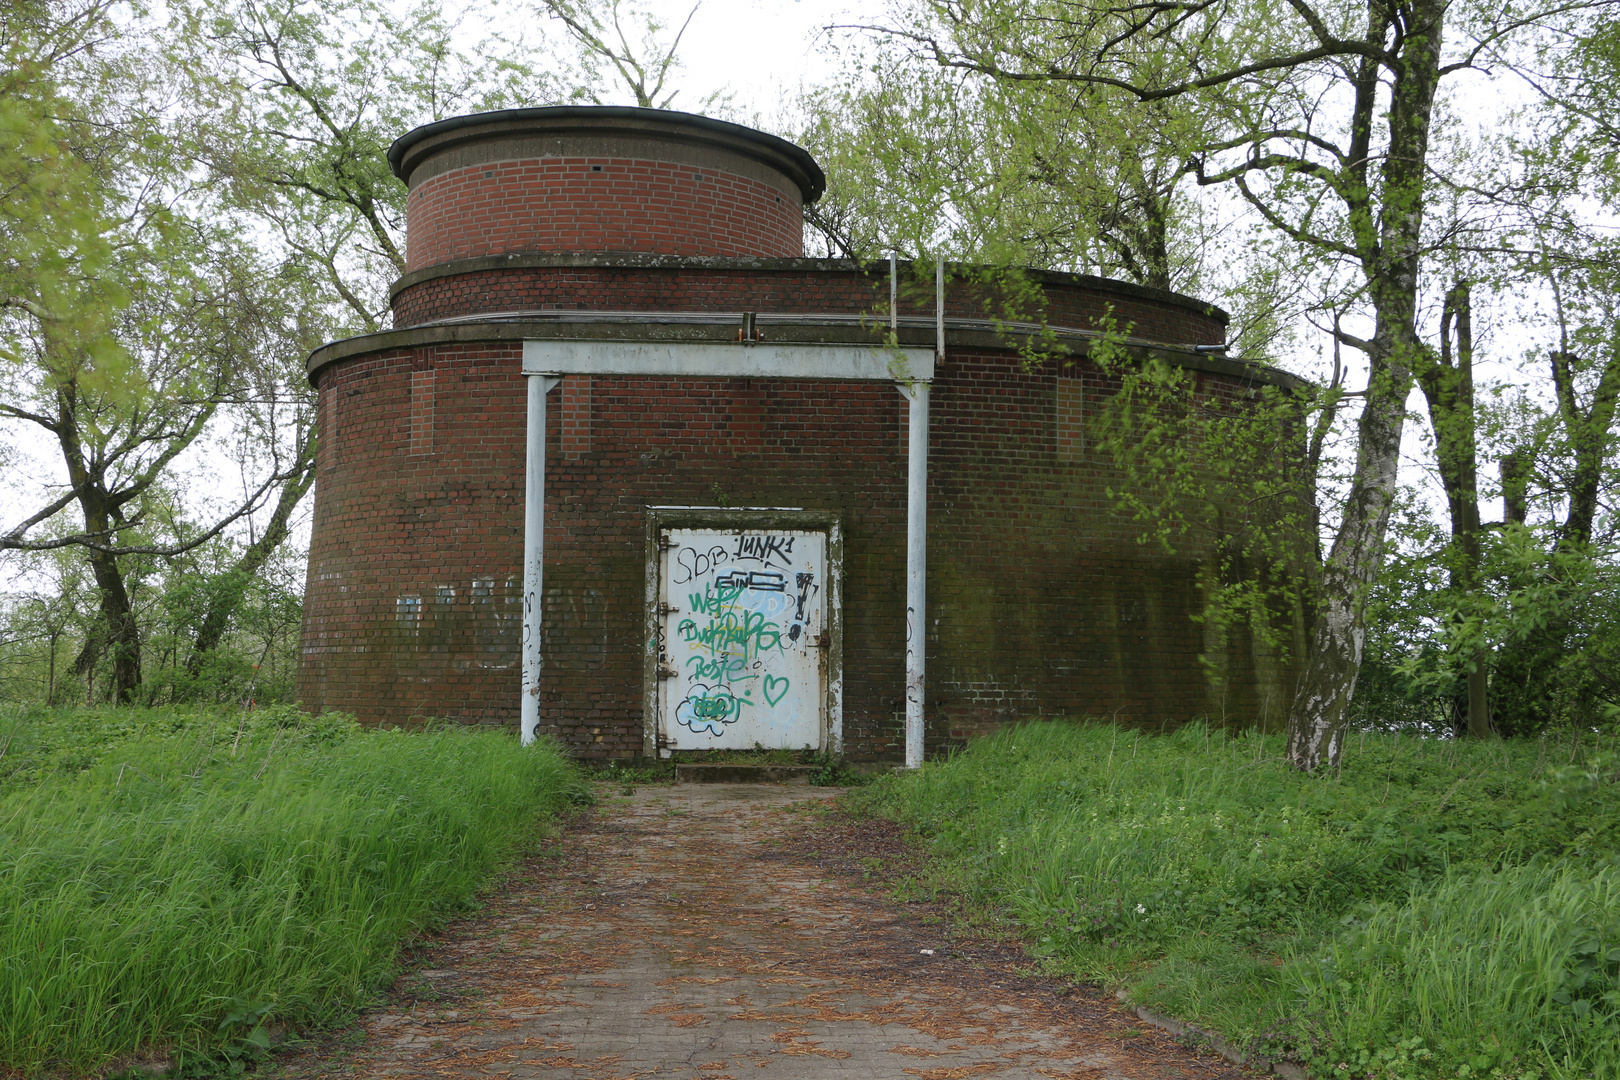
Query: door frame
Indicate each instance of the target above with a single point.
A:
(740, 519)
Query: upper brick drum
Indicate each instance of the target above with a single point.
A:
(577, 179)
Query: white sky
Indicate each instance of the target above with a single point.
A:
(761, 52)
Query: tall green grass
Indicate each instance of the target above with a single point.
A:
(1435, 909)
(1479, 969)
(195, 884)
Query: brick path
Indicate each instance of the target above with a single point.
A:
(676, 933)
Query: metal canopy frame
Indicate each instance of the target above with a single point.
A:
(909, 369)
(715, 360)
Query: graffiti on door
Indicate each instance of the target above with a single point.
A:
(742, 634)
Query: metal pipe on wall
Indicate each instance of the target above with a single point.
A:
(534, 542)
(894, 296)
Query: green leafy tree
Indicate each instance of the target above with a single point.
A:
(134, 330)
(1060, 175)
(1554, 660)
(297, 103)
(1321, 118)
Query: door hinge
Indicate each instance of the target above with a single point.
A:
(664, 542)
(821, 642)
(667, 609)
(667, 671)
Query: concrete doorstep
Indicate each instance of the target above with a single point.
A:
(726, 773)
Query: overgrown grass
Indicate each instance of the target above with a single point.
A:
(204, 878)
(1436, 909)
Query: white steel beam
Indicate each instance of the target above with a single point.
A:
(724, 360)
(909, 369)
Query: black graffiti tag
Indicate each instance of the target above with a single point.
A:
(760, 580)
(806, 584)
(691, 564)
(767, 548)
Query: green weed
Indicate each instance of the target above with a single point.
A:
(1376, 914)
(203, 878)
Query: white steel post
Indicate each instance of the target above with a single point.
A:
(917, 536)
(894, 296)
(916, 569)
(534, 540)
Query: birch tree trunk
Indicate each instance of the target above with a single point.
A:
(1386, 222)
(1317, 720)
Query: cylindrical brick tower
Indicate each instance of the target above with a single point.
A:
(725, 555)
(603, 180)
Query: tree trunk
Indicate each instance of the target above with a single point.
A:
(1589, 433)
(1390, 250)
(123, 633)
(117, 632)
(1515, 472)
(1448, 388)
(223, 606)
(1319, 713)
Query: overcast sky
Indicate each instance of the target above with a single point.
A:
(759, 51)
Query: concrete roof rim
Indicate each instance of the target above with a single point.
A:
(517, 332)
(791, 159)
(733, 319)
(632, 260)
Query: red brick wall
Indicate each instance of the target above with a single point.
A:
(389, 524)
(807, 288)
(1040, 600)
(405, 510)
(599, 204)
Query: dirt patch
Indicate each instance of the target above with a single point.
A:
(715, 932)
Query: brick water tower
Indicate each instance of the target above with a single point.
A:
(632, 472)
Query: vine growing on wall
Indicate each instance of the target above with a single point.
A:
(1221, 473)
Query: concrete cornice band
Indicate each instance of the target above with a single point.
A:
(722, 329)
(526, 260)
(601, 131)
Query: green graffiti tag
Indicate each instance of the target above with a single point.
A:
(707, 709)
(729, 630)
(725, 669)
(747, 634)
(712, 601)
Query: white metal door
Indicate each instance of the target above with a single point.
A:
(744, 628)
